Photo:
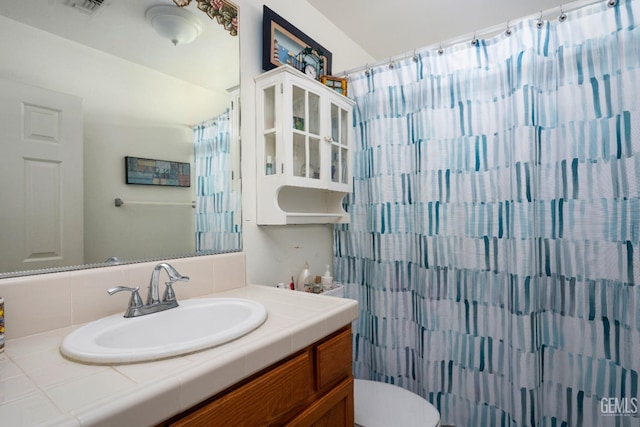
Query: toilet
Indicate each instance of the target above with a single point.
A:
(379, 404)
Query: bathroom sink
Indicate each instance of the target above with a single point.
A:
(194, 325)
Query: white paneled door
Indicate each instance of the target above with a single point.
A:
(41, 178)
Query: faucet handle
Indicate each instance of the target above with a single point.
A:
(169, 295)
(135, 301)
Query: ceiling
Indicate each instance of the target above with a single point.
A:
(120, 28)
(386, 28)
(382, 28)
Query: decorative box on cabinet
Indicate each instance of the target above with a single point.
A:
(313, 387)
(303, 149)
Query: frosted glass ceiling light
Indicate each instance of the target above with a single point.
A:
(176, 24)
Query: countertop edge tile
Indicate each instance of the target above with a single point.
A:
(199, 384)
(150, 403)
(61, 421)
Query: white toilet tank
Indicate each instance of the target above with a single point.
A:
(379, 404)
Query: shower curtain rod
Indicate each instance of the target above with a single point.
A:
(559, 12)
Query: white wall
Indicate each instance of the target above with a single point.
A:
(274, 254)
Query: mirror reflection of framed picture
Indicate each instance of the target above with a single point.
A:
(282, 43)
(157, 172)
(339, 84)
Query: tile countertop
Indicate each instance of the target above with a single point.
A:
(40, 387)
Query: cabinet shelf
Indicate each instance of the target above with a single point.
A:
(302, 149)
(303, 205)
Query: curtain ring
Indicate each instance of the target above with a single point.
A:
(391, 65)
(612, 3)
(440, 50)
(563, 16)
(474, 40)
(367, 71)
(508, 31)
(540, 22)
(415, 57)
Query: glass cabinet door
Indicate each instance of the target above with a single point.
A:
(306, 133)
(339, 145)
(269, 126)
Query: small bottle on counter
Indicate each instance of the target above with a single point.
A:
(304, 279)
(317, 285)
(327, 279)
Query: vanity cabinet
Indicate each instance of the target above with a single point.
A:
(313, 387)
(303, 149)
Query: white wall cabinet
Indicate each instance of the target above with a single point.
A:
(303, 150)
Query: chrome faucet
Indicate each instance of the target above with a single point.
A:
(154, 304)
(153, 296)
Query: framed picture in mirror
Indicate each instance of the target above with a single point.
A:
(157, 172)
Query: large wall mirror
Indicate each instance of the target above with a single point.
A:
(86, 83)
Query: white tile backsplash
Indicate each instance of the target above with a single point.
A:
(228, 272)
(89, 293)
(34, 304)
(46, 302)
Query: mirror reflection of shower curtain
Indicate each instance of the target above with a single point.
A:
(217, 204)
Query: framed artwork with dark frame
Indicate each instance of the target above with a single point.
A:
(282, 43)
(157, 172)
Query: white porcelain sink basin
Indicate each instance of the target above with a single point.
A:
(194, 325)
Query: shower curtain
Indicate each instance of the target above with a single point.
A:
(217, 201)
(495, 223)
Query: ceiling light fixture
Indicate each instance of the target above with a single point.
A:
(225, 12)
(176, 24)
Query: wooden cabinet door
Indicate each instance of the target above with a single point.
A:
(333, 360)
(334, 409)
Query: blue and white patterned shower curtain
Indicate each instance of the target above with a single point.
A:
(217, 201)
(494, 243)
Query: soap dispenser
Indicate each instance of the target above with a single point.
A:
(305, 277)
(327, 279)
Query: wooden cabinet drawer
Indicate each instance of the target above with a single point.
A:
(263, 401)
(333, 360)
